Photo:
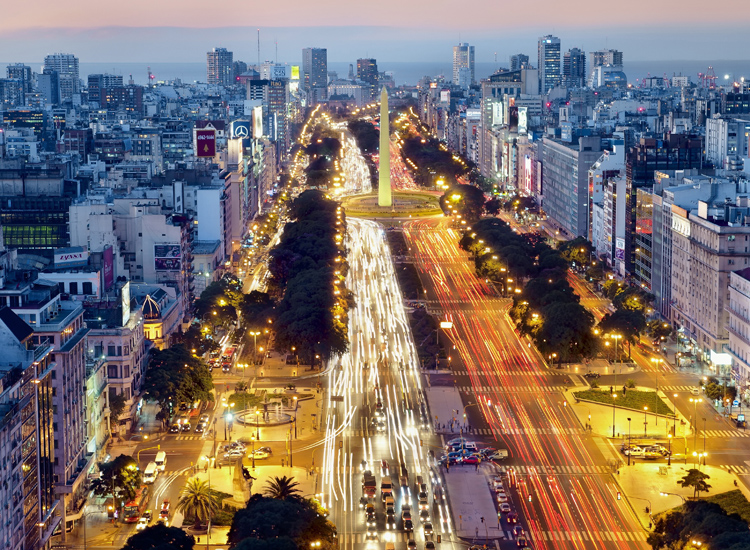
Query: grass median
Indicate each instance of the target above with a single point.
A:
(633, 399)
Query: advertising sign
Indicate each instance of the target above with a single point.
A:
(295, 72)
(240, 129)
(620, 249)
(76, 256)
(205, 143)
(125, 302)
(258, 122)
(167, 257)
(108, 268)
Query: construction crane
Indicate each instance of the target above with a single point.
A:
(708, 79)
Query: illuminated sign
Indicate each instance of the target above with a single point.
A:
(76, 256)
(257, 122)
(295, 72)
(205, 143)
(167, 257)
(125, 303)
(240, 129)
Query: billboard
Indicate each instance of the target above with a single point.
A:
(620, 249)
(108, 268)
(205, 143)
(76, 256)
(295, 72)
(240, 129)
(167, 257)
(125, 303)
(258, 122)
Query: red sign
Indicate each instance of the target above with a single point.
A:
(205, 143)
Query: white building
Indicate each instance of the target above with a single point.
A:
(727, 141)
(739, 328)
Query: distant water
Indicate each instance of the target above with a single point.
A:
(412, 72)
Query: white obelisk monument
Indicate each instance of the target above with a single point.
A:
(384, 167)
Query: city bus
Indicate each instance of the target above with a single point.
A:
(133, 509)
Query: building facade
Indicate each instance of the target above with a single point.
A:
(219, 66)
(548, 63)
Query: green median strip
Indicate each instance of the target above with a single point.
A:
(633, 399)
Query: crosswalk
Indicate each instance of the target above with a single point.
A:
(513, 373)
(511, 389)
(587, 536)
(583, 469)
(485, 300)
(188, 437)
(723, 433)
(677, 388)
(518, 431)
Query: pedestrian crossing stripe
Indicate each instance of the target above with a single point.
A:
(188, 437)
(511, 389)
(562, 469)
(466, 372)
(677, 388)
(723, 433)
(588, 536)
(485, 300)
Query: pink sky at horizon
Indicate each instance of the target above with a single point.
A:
(440, 14)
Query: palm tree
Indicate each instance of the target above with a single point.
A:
(282, 488)
(197, 500)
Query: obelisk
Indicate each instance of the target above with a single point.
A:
(384, 166)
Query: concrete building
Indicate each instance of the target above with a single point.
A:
(315, 74)
(707, 246)
(548, 56)
(66, 67)
(727, 141)
(738, 328)
(48, 85)
(30, 513)
(519, 61)
(219, 66)
(463, 65)
(21, 72)
(367, 71)
(565, 183)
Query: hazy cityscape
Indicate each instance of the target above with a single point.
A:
(482, 295)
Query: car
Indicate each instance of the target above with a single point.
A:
(260, 454)
(486, 452)
(471, 459)
(405, 514)
(174, 429)
(234, 453)
(363, 466)
(424, 516)
(363, 502)
(634, 451)
(522, 542)
(429, 545)
(517, 530)
(428, 530)
(505, 507)
(408, 525)
(423, 502)
(265, 450)
(142, 524)
(695, 391)
(199, 427)
(512, 517)
(369, 509)
(457, 440)
(384, 468)
(380, 426)
(203, 418)
(164, 512)
(390, 521)
(389, 509)
(183, 406)
(502, 497)
(148, 514)
(411, 545)
(657, 448)
(592, 375)
(185, 427)
(372, 533)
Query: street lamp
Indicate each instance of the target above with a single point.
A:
(645, 420)
(628, 441)
(692, 420)
(616, 338)
(669, 456)
(252, 455)
(656, 394)
(257, 426)
(614, 396)
(666, 494)
(295, 416)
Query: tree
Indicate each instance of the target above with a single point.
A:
(628, 323)
(175, 374)
(117, 403)
(160, 537)
(658, 329)
(466, 200)
(282, 488)
(197, 501)
(697, 480)
(566, 330)
(492, 206)
(196, 339)
(119, 477)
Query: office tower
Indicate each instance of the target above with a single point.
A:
(518, 61)
(384, 167)
(605, 57)
(21, 72)
(219, 66)
(48, 84)
(367, 71)
(574, 68)
(463, 65)
(66, 66)
(315, 73)
(11, 93)
(98, 84)
(549, 63)
(238, 68)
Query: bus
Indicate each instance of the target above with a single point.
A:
(133, 509)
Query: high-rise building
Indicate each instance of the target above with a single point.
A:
(605, 57)
(238, 68)
(367, 71)
(22, 72)
(66, 65)
(48, 84)
(463, 65)
(518, 61)
(97, 84)
(574, 68)
(315, 73)
(549, 63)
(219, 66)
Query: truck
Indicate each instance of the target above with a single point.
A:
(369, 485)
(386, 487)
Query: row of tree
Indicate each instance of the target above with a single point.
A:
(544, 304)
(308, 268)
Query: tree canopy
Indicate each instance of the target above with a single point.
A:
(160, 537)
(174, 374)
(465, 200)
(120, 474)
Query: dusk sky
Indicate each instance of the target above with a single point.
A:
(416, 30)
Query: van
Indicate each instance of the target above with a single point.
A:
(161, 460)
(150, 473)
(471, 447)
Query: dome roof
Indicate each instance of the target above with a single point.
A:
(150, 308)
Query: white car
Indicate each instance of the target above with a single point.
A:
(235, 453)
(502, 497)
(142, 524)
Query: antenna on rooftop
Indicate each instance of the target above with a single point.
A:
(258, 49)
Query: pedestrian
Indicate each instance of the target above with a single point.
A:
(476, 466)
(469, 427)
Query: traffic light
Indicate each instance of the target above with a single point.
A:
(439, 537)
(529, 498)
(421, 443)
(619, 496)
